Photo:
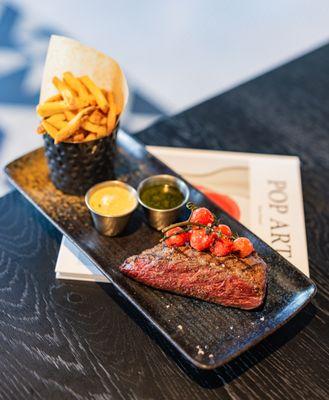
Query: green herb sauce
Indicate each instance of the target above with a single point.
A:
(162, 197)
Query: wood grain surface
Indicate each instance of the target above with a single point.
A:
(65, 340)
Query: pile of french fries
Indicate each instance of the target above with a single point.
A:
(81, 111)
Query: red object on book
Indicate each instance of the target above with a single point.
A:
(222, 201)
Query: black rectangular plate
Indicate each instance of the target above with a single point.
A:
(207, 334)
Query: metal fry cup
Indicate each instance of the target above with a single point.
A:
(75, 167)
(159, 219)
(105, 224)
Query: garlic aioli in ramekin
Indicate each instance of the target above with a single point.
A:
(112, 201)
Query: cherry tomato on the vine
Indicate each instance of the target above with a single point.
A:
(223, 229)
(243, 246)
(202, 216)
(176, 237)
(200, 239)
(222, 247)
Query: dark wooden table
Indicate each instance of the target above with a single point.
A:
(70, 340)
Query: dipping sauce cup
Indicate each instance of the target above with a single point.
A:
(111, 204)
(159, 217)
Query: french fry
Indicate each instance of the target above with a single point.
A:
(81, 111)
(68, 94)
(91, 136)
(55, 97)
(69, 115)
(92, 100)
(72, 125)
(96, 117)
(51, 130)
(57, 123)
(51, 108)
(88, 126)
(78, 137)
(77, 86)
(96, 92)
(41, 130)
(56, 117)
(111, 116)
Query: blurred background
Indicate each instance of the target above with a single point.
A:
(175, 53)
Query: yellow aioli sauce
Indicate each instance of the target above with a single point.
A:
(112, 201)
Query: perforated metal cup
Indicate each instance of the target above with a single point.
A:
(75, 167)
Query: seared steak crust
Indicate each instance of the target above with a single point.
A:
(230, 281)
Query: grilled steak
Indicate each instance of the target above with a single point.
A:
(230, 280)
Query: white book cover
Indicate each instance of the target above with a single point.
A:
(262, 191)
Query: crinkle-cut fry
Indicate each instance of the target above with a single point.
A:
(55, 97)
(96, 92)
(69, 95)
(69, 114)
(103, 121)
(51, 130)
(111, 116)
(51, 108)
(76, 85)
(88, 126)
(41, 130)
(72, 125)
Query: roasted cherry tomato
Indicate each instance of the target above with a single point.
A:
(243, 246)
(190, 233)
(176, 237)
(224, 230)
(202, 216)
(222, 247)
(200, 239)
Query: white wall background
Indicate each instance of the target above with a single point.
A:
(183, 51)
(178, 52)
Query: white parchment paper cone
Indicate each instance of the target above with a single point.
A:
(65, 54)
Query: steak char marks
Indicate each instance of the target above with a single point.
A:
(230, 280)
